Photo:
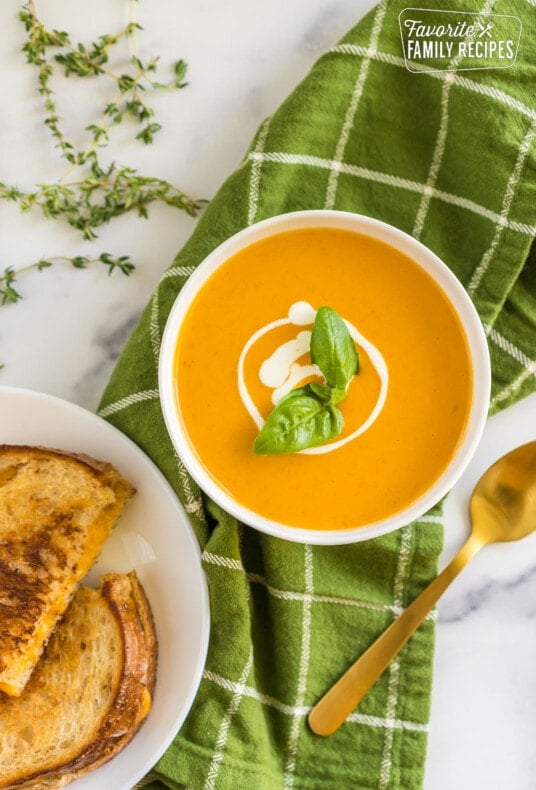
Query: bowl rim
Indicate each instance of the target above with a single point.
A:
(421, 255)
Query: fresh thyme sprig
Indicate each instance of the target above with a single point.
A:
(90, 61)
(89, 194)
(99, 196)
(9, 293)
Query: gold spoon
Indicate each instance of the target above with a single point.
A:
(503, 508)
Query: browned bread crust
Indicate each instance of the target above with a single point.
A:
(88, 695)
(56, 511)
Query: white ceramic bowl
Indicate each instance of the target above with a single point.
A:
(414, 250)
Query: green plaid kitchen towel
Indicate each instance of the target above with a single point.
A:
(449, 157)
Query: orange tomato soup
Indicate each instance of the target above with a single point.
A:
(397, 307)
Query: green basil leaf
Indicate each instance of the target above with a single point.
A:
(322, 392)
(336, 395)
(333, 349)
(300, 420)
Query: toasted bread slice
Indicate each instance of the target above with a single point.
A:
(56, 511)
(89, 693)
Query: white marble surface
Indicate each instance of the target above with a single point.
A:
(64, 336)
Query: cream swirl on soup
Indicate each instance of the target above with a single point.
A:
(282, 371)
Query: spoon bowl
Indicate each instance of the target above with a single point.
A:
(503, 503)
(503, 508)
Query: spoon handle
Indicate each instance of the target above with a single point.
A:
(333, 708)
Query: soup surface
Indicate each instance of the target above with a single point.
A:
(244, 343)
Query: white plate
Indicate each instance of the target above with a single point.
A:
(155, 538)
